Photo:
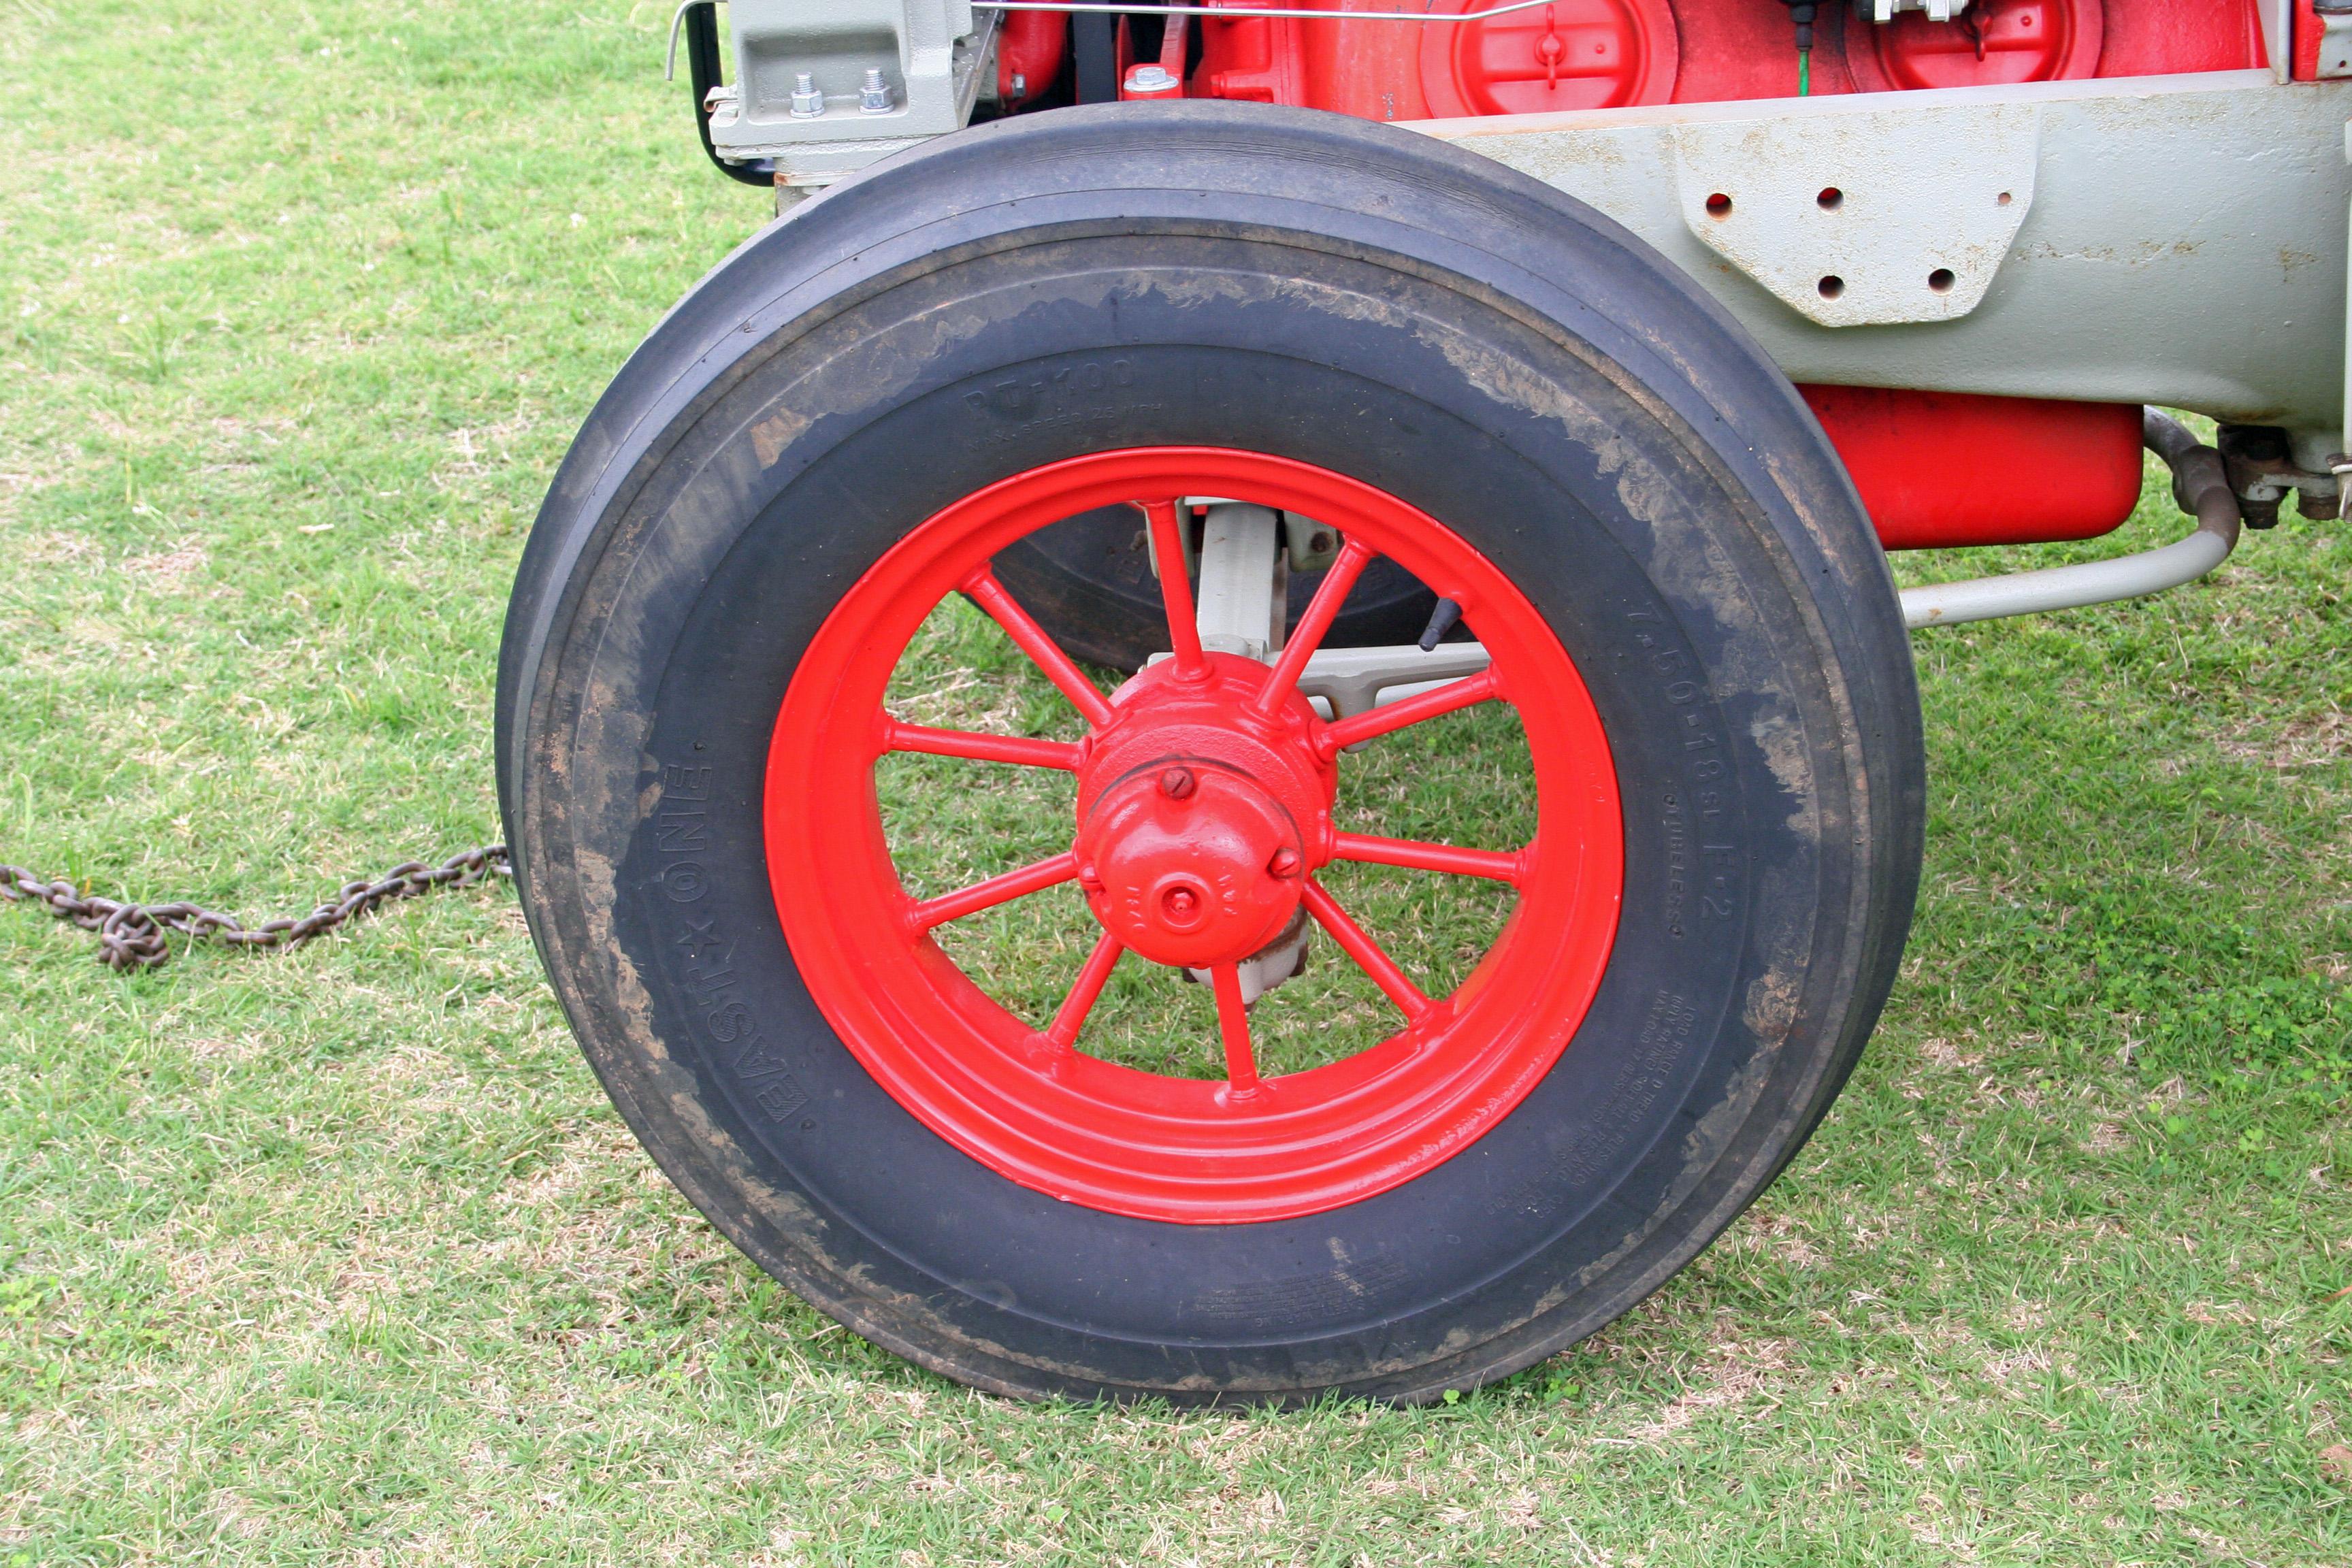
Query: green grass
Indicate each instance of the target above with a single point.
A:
(342, 1257)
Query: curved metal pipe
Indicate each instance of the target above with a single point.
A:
(2198, 485)
(699, 20)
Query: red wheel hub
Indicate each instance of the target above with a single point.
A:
(1203, 816)
(1198, 817)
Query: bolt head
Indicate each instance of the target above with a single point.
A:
(1286, 863)
(1178, 783)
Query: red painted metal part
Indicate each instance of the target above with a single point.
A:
(1587, 54)
(1938, 469)
(1174, 33)
(1577, 54)
(2305, 45)
(1197, 862)
(2165, 37)
(1202, 813)
(1994, 42)
(1030, 46)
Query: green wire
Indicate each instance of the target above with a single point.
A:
(1804, 73)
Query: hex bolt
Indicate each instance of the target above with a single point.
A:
(807, 101)
(1149, 78)
(874, 98)
(1176, 784)
(1285, 863)
(1180, 905)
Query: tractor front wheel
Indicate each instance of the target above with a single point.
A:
(1523, 962)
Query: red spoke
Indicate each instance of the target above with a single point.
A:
(973, 746)
(996, 891)
(1093, 976)
(1418, 855)
(990, 595)
(1307, 636)
(1175, 588)
(1367, 953)
(1233, 1023)
(1445, 699)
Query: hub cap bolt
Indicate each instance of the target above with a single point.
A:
(1284, 864)
(1181, 904)
(1176, 784)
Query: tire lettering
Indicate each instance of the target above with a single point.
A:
(1087, 391)
(1697, 803)
(1678, 838)
(1648, 1069)
(705, 954)
(758, 1059)
(781, 1098)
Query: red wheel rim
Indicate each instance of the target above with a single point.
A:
(1172, 868)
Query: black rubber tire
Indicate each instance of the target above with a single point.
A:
(1372, 301)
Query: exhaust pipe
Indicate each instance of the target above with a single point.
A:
(2201, 487)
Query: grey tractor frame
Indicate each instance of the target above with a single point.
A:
(2168, 240)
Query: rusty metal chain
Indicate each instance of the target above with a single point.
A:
(130, 936)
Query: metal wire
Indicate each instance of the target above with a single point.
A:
(1090, 7)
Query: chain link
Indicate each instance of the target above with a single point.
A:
(130, 936)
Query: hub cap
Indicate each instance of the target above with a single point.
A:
(1204, 798)
(1197, 813)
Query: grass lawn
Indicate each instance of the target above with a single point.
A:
(343, 1258)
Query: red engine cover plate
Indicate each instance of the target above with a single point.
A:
(1574, 54)
(1992, 43)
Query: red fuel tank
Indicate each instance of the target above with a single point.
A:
(1938, 469)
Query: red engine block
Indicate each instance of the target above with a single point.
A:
(1602, 54)
(1935, 469)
